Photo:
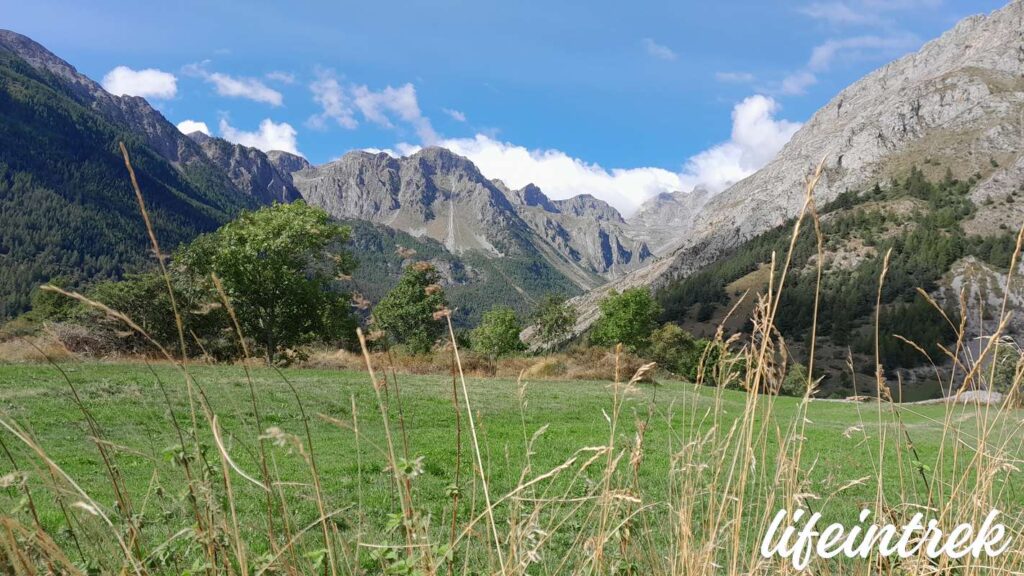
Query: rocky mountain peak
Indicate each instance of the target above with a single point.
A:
(442, 160)
(286, 162)
(42, 59)
(529, 195)
(132, 113)
(252, 170)
(957, 103)
(587, 206)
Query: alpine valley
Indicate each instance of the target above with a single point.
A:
(924, 156)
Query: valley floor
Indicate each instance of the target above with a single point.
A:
(839, 474)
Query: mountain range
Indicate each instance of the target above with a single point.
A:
(954, 109)
(957, 104)
(60, 156)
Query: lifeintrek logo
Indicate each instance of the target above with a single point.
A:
(800, 538)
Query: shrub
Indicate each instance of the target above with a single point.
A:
(795, 381)
(406, 314)
(498, 333)
(554, 319)
(676, 350)
(628, 318)
(1008, 360)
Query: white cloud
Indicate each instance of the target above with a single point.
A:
(383, 107)
(860, 47)
(148, 83)
(190, 126)
(862, 12)
(756, 137)
(372, 150)
(236, 86)
(798, 82)
(379, 106)
(876, 15)
(269, 136)
(734, 77)
(282, 77)
(658, 51)
(334, 103)
(854, 48)
(558, 174)
(248, 88)
(455, 114)
(838, 13)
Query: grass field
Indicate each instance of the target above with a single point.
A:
(852, 456)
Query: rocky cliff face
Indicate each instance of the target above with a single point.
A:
(587, 231)
(437, 194)
(286, 163)
(433, 193)
(251, 170)
(663, 220)
(957, 103)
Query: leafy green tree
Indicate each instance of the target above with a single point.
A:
(144, 299)
(498, 333)
(554, 319)
(406, 313)
(280, 267)
(794, 383)
(677, 351)
(51, 305)
(628, 317)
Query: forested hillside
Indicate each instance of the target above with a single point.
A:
(473, 283)
(66, 205)
(919, 221)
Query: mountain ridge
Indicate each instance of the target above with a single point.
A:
(438, 194)
(957, 103)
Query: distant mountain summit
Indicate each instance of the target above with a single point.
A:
(662, 220)
(438, 194)
(257, 174)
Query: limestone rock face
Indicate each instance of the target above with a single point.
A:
(432, 193)
(587, 231)
(440, 195)
(957, 103)
(662, 220)
(286, 163)
(252, 170)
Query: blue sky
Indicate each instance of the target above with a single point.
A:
(621, 99)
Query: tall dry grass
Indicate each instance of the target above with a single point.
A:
(729, 474)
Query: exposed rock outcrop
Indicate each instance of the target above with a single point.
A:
(957, 103)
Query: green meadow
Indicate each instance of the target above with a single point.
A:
(691, 440)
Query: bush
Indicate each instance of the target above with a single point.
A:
(1008, 360)
(628, 318)
(795, 381)
(554, 319)
(406, 314)
(498, 333)
(676, 350)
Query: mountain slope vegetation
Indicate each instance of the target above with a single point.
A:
(915, 221)
(473, 283)
(66, 205)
